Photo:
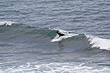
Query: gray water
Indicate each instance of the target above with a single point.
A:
(28, 26)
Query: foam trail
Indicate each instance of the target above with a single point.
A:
(99, 42)
(6, 22)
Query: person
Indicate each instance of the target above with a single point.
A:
(60, 34)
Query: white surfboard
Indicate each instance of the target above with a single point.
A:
(57, 38)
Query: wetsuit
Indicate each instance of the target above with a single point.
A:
(60, 34)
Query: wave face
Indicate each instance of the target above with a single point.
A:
(15, 31)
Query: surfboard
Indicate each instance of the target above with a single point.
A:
(57, 38)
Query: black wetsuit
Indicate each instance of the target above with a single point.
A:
(60, 34)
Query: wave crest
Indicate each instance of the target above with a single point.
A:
(99, 42)
(7, 22)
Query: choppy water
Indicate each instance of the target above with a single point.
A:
(28, 26)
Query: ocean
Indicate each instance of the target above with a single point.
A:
(27, 28)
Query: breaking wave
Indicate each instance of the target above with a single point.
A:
(13, 30)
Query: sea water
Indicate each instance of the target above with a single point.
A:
(27, 28)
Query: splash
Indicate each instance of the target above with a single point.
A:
(6, 23)
(99, 42)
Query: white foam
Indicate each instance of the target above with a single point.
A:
(57, 68)
(6, 22)
(99, 42)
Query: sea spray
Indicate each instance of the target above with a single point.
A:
(99, 42)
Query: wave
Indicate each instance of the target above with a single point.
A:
(13, 30)
(7, 22)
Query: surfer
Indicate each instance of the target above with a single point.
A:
(60, 34)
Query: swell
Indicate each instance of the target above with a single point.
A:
(15, 30)
(11, 31)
